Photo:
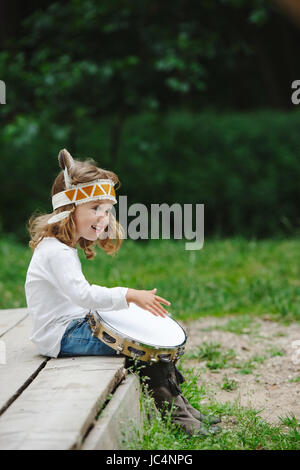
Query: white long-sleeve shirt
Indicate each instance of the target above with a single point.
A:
(57, 293)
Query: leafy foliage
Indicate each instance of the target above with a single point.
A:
(243, 167)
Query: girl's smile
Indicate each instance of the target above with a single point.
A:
(91, 219)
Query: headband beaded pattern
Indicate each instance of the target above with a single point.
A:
(85, 192)
(81, 193)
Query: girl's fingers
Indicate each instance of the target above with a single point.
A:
(161, 311)
(152, 311)
(163, 301)
(160, 307)
(156, 311)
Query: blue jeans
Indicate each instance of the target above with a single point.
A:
(78, 341)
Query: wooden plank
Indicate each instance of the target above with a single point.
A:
(22, 362)
(11, 317)
(120, 420)
(57, 408)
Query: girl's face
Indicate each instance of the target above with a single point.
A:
(91, 216)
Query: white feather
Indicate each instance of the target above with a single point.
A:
(68, 183)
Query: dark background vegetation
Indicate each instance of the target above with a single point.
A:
(186, 101)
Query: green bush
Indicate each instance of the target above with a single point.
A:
(244, 167)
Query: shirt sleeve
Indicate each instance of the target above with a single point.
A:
(68, 275)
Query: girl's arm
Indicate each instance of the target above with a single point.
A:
(69, 279)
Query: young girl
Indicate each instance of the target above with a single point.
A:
(59, 298)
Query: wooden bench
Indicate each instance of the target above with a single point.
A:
(48, 403)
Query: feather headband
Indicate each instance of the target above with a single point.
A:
(79, 193)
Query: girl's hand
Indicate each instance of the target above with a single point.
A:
(147, 300)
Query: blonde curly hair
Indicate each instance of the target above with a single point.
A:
(65, 230)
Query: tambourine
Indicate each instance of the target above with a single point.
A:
(135, 332)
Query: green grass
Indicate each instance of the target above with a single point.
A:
(272, 351)
(290, 420)
(244, 367)
(229, 384)
(241, 325)
(232, 276)
(218, 358)
(213, 355)
(296, 380)
(242, 428)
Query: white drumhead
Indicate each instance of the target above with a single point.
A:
(143, 326)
